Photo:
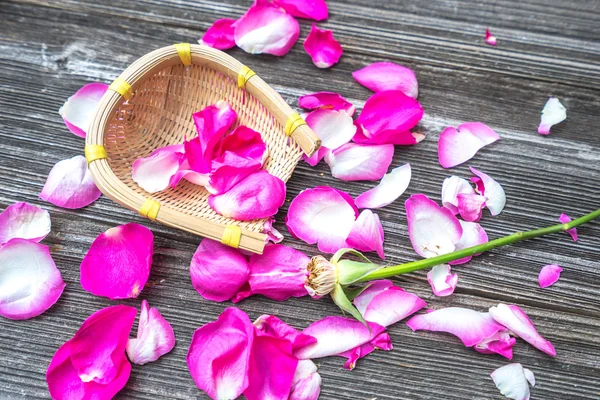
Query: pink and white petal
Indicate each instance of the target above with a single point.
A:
(273, 326)
(470, 326)
(489, 38)
(316, 157)
(326, 100)
(357, 162)
(117, 265)
(456, 146)
(228, 170)
(70, 184)
(451, 188)
(266, 28)
(433, 230)
(218, 272)
(553, 113)
(564, 218)
(362, 301)
(514, 319)
(79, 110)
(381, 342)
(273, 235)
(442, 281)
(322, 47)
(309, 9)
(367, 234)
(259, 195)
(383, 75)
(220, 35)
(155, 172)
(473, 234)
(334, 128)
(400, 138)
(390, 305)
(306, 384)
(549, 275)
(219, 354)
(322, 216)
(500, 343)
(155, 337)
(513, 381)
(24, 221)
(30, 283)
(392, 186)
(496, 197)
(470, 206)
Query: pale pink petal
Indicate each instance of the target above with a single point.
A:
(513, 381)
(470, 206)
(489, 38)
(513, 318)
(273, 235)
(564, 218)
(549, 275)
(392, 186)
(79, 110)
(24, 221)
(266, 28)
(306, 384)
(219, 355)
(553, 113)
(367, 234)
(70, 184)
(230, 169)
(459, 145)
(273, 326)
(218, 272)
(220, 34)
(259, 195)
(383, 75)
(117, 265)
(155, 337)
(374, 288)
(309, 9)
(473, 234)
(155, 172)
(442, 281)
(357, 162)
(451, 188)
(386, 305)
(334, 128)
(326, 100)
(488, 187)
(433, 230)
(499, 343)
(470, 326)
(322, 47)
(30, 283)
(322, 215)
(316, 157)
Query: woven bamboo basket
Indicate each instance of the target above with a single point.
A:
(150, 105)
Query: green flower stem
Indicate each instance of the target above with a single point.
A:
(388, 272)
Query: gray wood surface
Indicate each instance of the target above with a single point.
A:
(48, 49)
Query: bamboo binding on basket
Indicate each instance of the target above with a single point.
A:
(150, 105)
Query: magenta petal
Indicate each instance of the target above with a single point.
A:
(442, 281)
(470, 206)
(451, 188)
(382, 76)
(564, 218)
(321, 46)
(552, 113)
(155, 337)
(306, 384)
(386, 305)
(473, 234)
(30, 283)
(266, 28)
(259, 195)
(326, 100)
(316, 157)
(218, 358)
(549, 275)
(310, 9)
(392, 186)
(220, 35)
(492, 190)
(155, 172)
(367, 234)
(273, 326)
(489, 38)
(273, 235)
(228, 170)
(499, 343)
(117, 265)
(79, 110)
(373, 289)
(334, 128)
(456, 146)
(357, 162)
(70, 184)
(24, 221)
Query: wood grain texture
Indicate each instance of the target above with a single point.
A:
(48, 49)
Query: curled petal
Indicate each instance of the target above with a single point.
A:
(513, 318)
(79, 110)
(386, 304)
(513, 381)
(381, 342)
(488, 187)
(322, 215)
(155, 337)
(218, 272)
(326, 100)
(357, 162)
(458, 145)
(321, 46)
(309, 9)
(392, 186)
(489, 38)
(306, 384)
(473, 234)
(564, 218)
(433, 230)
(549, 275)
(24, 221)
(451, 188)
(228, 170)
(499, 343)
(117, 265)
(155, 172)
(273, 235)
(553, 113)
(220, 35)
(382, 76)
(273, 326)
(470, 206)
(30, 283)
(442, 281)
(367, 233)
(70, 184)
(334, 128)
(316, 157)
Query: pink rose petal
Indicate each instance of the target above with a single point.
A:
(451, 188)
(321, 46)
(513, 381)
(155, 172)
(230, 169)
(470, 206)
(373, 289)
(489, 38)
(456, 146)
(488, 187)
(316, 157)
(155, 337)
(326, 100)
(322, 215)
(553, 113)
(220, 35)
(433, 230)
(309, 9)
(357, 162)
(117, 265)
(513, 318)
(79, 110)
(381, 342)
(564, 218)
(24, 221)
(334, 128)
(273, 326)
(549, 275)
(499, 343)
(30, 283)
(266, 28)
(383, 75)
(306, 384)
(367, 234)
(442, 281)
(473, 234)
(70, 184)
(273, 235)
(392, 186)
